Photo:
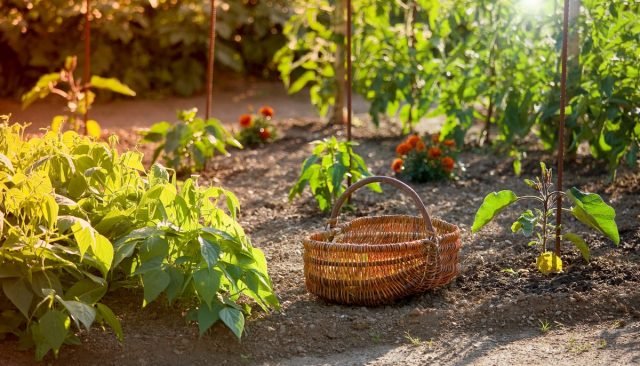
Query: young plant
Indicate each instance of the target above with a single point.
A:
(77, 93)
(326, 170)
(256, 130)
(588, 208)
(187, 144)
(421, 161)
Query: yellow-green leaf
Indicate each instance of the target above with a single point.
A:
(492, 205)
(93, 128)
(549, 262)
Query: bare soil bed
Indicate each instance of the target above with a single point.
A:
(486, 316)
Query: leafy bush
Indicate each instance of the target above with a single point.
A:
(156, 47)
(422, 162)
(187, 144)
(588, 208)
(78, 95)
(326, 170)
(76, 218)
(256, 130)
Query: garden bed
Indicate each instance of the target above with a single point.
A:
(498, 300)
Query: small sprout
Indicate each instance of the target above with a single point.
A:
(509, 271)
(415, 341)
(545, 326)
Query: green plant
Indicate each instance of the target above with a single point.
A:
(422, 162)
(545, 326)
(256, 130)
(588, 208)
(326, 170)
(187, 144)
(78, 95)
(415, 341)
(78, 219)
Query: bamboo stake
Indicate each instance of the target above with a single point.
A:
(349, 81)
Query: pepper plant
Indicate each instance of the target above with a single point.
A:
(77, 93)
(588, 208)
(187, 144)
(327, 169)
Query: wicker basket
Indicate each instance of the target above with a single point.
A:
(376, 260)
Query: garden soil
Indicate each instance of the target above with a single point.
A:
(491, 314)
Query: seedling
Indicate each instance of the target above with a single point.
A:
(588, 208)
(415, 341)
(545, 326)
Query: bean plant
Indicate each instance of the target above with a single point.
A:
(588, 208)
(78, 219)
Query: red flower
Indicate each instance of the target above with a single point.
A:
(266, 111)
(403, 148)
(413, 140)
(434, 152)
(449, 142)
(420, 147)
(245, 120)
(435, 138)
(264, 134)
(397, 165)
(447, 164)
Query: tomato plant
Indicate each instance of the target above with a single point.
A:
(78, 95)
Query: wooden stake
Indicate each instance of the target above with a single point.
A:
(349, 81)
(563, 103)
(87, 62)
(212, 46)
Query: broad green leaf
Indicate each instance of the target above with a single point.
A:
(109, 317)
(54, 326)
(210, 251)
(207, 283)
(492, 205)
(49, 210)
(580, 244)
(208, 315)
(300, 82)
(526, 222)
(111, 84)
(133, 160)
(176, 284)
(103, 253)
(41, 89)
(79, 311)
(154, 282)
(5, 164)
(19, 294)
(86, 291)
(93, 129)
(233, 319)
(592, 211)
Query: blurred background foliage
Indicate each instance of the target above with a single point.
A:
(156, 47)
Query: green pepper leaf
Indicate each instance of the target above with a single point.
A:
(591, 210)
(492, 205)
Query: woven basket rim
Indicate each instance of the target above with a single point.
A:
(450, 230)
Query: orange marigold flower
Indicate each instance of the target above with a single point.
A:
(397, 165)
(447, 164)
(434, 152)
(413, 140)
(264, 134)
(266, 111)
(403, 148)
(449, 142)
(420, 147)
(435, 138)
(245, 120)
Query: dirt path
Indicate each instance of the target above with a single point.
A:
(487, 316)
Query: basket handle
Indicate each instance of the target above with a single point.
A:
(380, 179)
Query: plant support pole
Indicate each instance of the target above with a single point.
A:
(212, 45)
(563, 103)
(349, 81)
(87, 61)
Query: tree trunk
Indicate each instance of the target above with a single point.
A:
(339, 26)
